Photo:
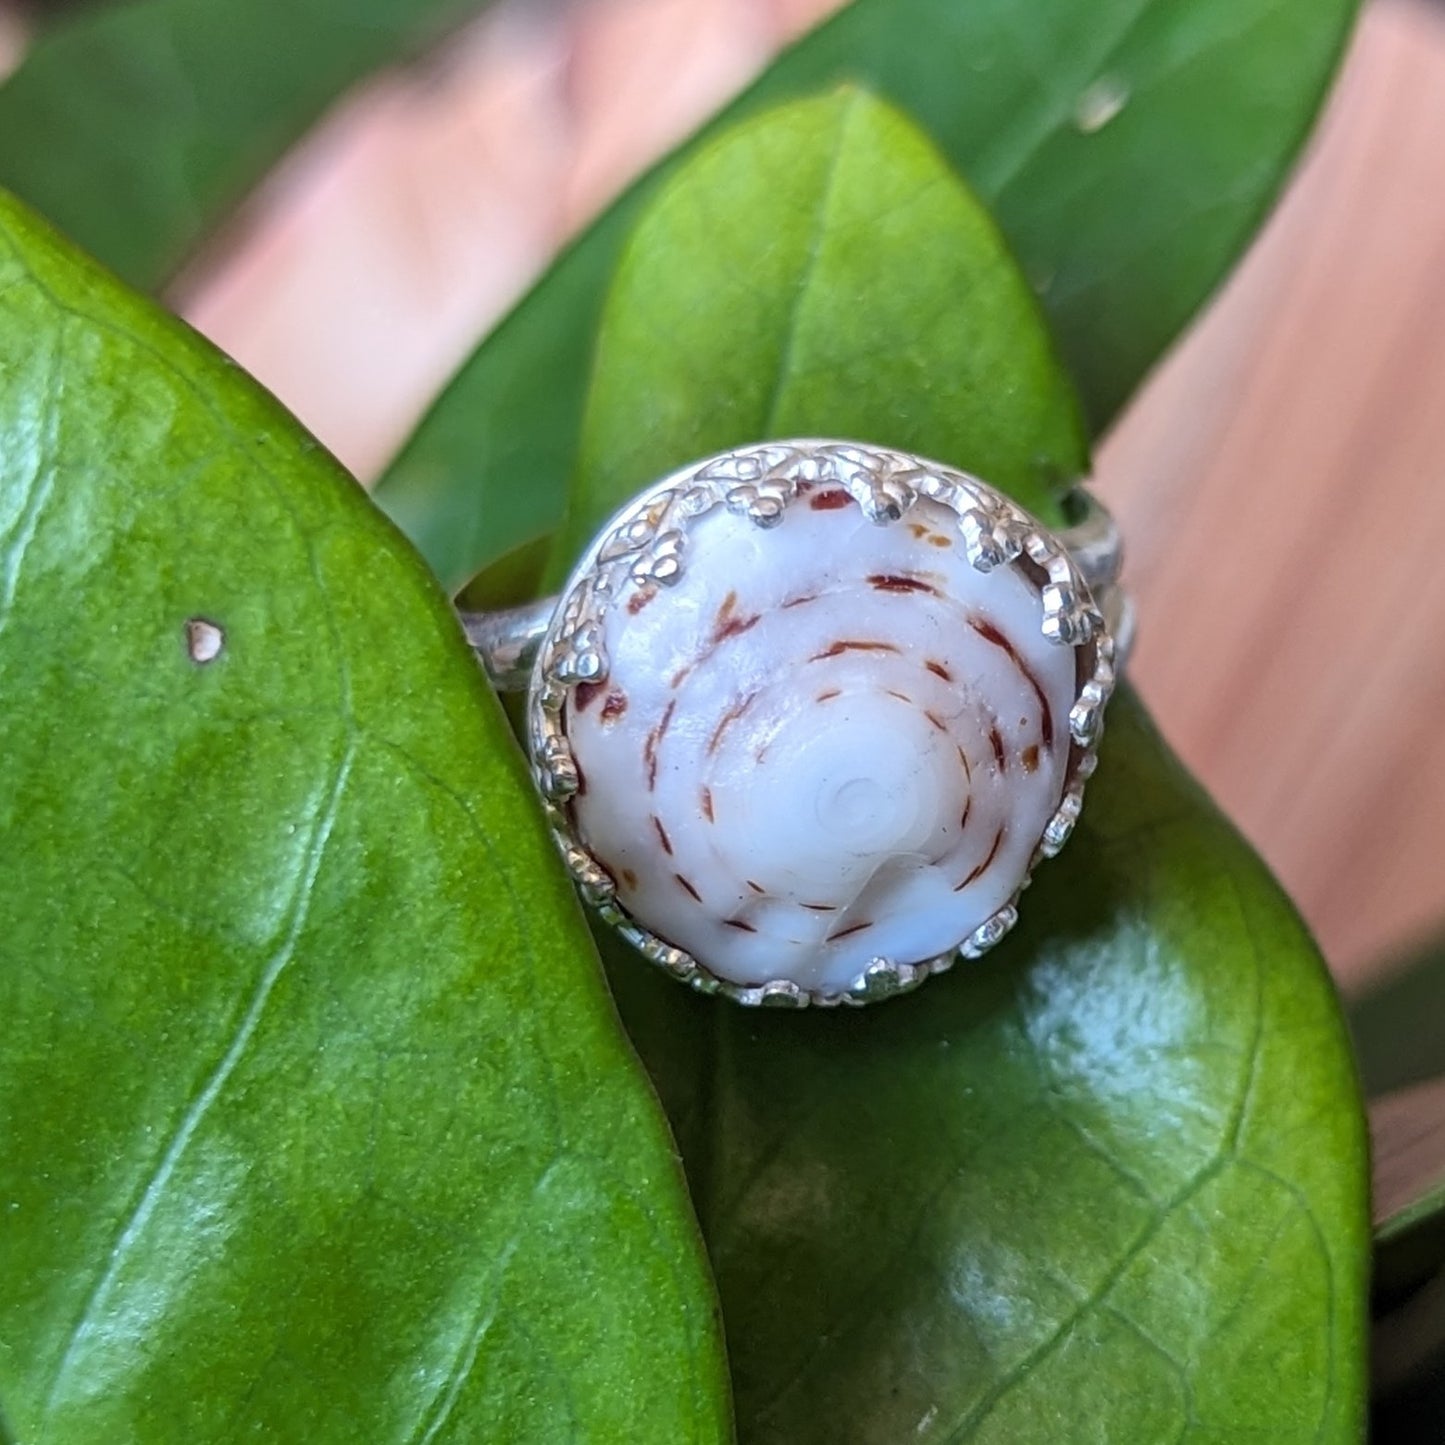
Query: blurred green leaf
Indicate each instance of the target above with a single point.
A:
(1399, 1022)
(1407, 1130)
(318, 1121)
(1108, 1184)
(515, 577)
(1127, 148)
(137, 127)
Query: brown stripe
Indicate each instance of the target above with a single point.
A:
(736, 627)
(822, 907)
(707, 804)
(649, 748)
(829, 694)
(583, 694)
(901, 696)
(939, 670)
(934, 718)
(982, 867)
(640, 599)
(629, 877)
(800, 601)
(688, 886)
(967, 766)
(739, 924)
(1046, 713)
(756, 887)
(999, 755)
(728, 623)
(662, 835)
(895, 582)
(728, 719)
(846, 646)
(990, 633)
(967, 809)
(844, 932)
(920, 531)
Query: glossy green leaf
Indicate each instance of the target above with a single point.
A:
(1127, 148)
(136, 127)
(317, 1121)
(1107, 1184)
(784, 271)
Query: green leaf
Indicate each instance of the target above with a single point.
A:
(1109, 1183)
(317, 1119)
(1399, 1022)
(766, 289)
(1127, 148)
(136, 128)
(514, 578)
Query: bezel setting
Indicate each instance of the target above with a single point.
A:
(646, 546)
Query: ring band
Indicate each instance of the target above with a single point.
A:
(807, 713)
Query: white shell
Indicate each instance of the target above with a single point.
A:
(808, 714)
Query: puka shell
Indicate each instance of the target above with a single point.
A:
(830, 741)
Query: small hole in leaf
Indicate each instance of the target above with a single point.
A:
(204, 640)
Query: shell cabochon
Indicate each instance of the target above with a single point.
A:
(825, 743)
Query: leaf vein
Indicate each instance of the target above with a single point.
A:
(324, 821)
(810, 270)
(445, 1402)
(1095, 1299)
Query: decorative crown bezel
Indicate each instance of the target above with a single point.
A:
(645, 544)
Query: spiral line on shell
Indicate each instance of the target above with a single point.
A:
(808, 715)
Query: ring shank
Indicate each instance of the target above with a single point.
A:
(506, 641)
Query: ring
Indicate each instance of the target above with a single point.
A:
(807, 714)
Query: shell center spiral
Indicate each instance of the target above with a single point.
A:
(866, 797)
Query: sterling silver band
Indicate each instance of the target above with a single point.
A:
(506, 641)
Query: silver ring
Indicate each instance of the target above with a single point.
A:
(807, 714)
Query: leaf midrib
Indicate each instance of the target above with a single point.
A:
(822, 215)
